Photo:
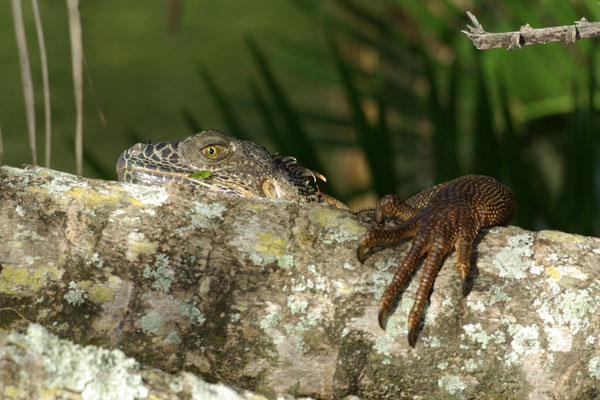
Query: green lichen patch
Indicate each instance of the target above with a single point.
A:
(495, 294)
(160, 273)
(202, 216)
(571, 308)
(151, 322)
(524, 341)
(205, 211)
(190, 309)
(339, 226)
(97, 261)
(173, 338)
(594, 367)
(477, 334)
(145, 195)
(304, 331)
(270, 321)
(452, 384)
(297, 306)
(78, 368)
(76, 295)
(513, 260)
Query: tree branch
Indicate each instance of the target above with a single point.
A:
(268, 295)
(527, 35)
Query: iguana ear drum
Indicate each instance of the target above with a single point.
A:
(270, 189)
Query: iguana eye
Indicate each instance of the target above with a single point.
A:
(213, 151)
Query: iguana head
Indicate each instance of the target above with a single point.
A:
(219, 162)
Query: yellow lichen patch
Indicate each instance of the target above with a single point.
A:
(12, 392)
(101, 294)
(325, 216)
(553, 273)
(17, 280)
(11, 278)
(352, 227)
(143, 247)
(565, 271)
(557, 236)
(304, 239)
(43, 274)
(49, 393)
(138, 244)
(92, 196)
(84, 285)
(331, 218)
(256, 207)
(35, 189)
(340, 226)
(271, 245)
(135, 202)
(344, 290)
(112, 187)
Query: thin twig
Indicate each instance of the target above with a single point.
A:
(15, 311)
(77, 61)
(25, 75)
(527, 35)
(44, 61)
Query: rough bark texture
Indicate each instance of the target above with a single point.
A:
(527, 35)
(38, 365)
(268, 295)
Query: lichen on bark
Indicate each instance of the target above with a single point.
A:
(268, 295)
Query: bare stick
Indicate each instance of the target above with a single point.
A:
(44, 61)
(77, 61)
(526, 36)
(25, 75)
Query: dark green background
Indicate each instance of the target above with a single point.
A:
(333, 83)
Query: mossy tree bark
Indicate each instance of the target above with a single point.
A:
(269, 296)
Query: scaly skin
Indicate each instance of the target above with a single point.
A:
(445, 217)
(234, 166)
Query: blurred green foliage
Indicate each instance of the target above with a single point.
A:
(393, 79)
(145, 79)
(425, 106)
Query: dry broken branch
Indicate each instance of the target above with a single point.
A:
(527, 35)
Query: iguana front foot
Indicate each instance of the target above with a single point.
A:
(445, 217)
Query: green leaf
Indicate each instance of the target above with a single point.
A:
(202, 174)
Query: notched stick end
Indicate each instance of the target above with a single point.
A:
(478, 27)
